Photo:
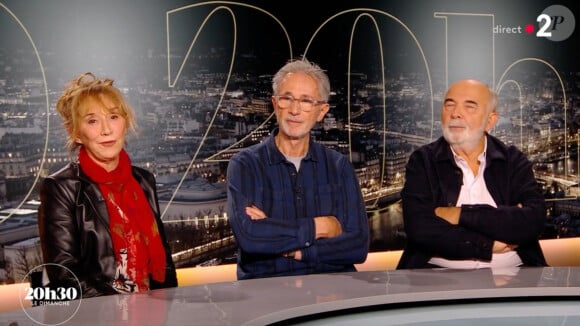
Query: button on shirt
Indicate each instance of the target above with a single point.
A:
(325, 185)
(474, 191)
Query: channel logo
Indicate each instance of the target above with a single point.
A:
(555, 23)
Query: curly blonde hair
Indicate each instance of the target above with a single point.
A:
(71, 103)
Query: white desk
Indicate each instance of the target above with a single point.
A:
(530, 296)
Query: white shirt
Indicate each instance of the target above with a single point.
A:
(474, 191)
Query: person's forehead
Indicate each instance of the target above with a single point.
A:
(298, 77)
(468, 91)
(97, 104)
(299, 82)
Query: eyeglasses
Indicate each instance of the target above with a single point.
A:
(305, 104)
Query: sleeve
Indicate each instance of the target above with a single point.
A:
(264, 236)
(352, 246)
(60, 240)
(426, 231)
(510, 223)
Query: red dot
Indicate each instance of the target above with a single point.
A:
(529, 28)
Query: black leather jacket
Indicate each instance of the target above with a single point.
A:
(74, 231)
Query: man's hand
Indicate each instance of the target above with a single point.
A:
(500, 247)
(450, 214)
(327, 227)
(296, 254)
(255, 213)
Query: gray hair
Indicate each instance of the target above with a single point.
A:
(309, 68)
(492, 103)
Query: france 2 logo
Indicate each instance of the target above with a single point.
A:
(556, 23)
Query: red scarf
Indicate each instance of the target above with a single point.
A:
(131, 220)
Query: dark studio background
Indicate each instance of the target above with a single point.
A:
(198, 76)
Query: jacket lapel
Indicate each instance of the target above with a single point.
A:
(94, 198)
(449, 175)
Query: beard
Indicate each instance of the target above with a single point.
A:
(467, 139)
(294, 131)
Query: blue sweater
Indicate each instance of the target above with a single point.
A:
(325, 185)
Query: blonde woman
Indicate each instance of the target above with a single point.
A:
(99, 207)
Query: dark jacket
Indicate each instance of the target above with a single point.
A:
(433, 179)
(74, 231)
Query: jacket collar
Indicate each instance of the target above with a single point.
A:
(276, 157)
(494, 150)
(446, 166)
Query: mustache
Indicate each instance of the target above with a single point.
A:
(456, 124)
(295, 120)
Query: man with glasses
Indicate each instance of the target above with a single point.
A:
(294, 205)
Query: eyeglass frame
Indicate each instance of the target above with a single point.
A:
(292, 100)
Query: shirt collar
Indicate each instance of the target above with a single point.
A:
(480, 157)
(276, 157)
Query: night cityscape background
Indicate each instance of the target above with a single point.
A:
(198, 75)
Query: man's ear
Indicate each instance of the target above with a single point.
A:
(323, 110)
(492, 119)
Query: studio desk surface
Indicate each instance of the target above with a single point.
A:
(521, 296)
